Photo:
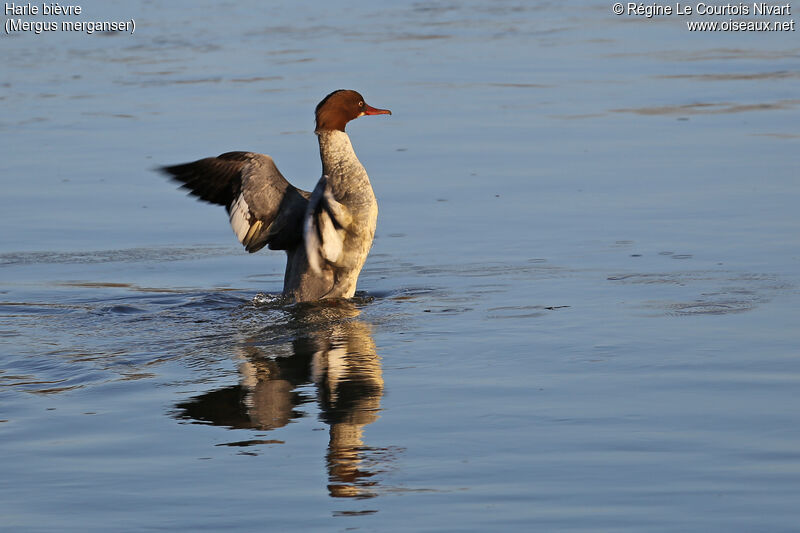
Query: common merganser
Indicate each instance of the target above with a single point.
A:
(326, 233)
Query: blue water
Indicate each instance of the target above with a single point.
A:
(580, 311)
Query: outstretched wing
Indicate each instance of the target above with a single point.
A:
(263, 207)
(325, 227)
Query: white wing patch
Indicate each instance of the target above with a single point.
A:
(245, 225)
(240, 218)
(323, 240)
(325, 227)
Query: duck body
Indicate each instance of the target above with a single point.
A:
(327, 233)
(337, 238)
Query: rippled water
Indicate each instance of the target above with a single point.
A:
(580, 311)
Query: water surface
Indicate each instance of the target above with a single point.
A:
(580, 311)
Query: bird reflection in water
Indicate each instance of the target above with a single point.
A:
(327, 346)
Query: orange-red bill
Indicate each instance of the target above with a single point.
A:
(369, 110)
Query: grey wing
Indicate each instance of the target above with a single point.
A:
(263, 208)
(326, 223)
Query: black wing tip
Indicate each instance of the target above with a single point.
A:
(254, 249)
(206, 179)
(166, 170)
(182, 172)
(170, 170)
(173, 173)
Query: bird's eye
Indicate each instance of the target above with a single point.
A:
(361, 104)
